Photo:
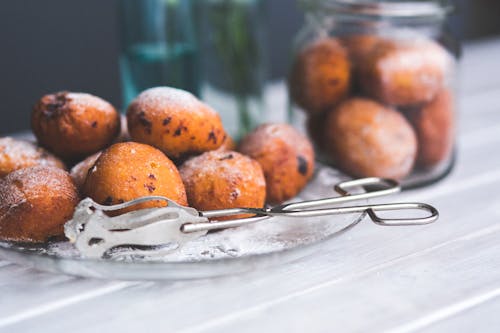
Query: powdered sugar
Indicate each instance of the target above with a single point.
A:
(240, 169)
(159, 98)
(265, 134)
(16, 154)
(88, 101)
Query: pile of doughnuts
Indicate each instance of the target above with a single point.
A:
(376, 106)
(170, 144)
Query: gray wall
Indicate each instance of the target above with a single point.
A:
(52, 45)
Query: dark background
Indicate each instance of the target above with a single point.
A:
(53, 45)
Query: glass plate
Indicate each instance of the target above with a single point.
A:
(271, 242)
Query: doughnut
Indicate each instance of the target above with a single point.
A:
(175, 122)
(320, 76)
(405, 72)
(434, 126)
(130, 170)
(18, 154)
(286, 157)
(223, 179)
(367, 139)
(35, 202)
(74, 125)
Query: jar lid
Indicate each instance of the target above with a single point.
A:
(383, 8)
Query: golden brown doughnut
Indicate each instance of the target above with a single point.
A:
(18, 154)
(359, 46)
(223, 179)
(129, 170)
(367, 139)
(174, 121)
(320, 76)
(74, 125)
(405, 72)
(35, 203)
(434, 125)
(286, 157)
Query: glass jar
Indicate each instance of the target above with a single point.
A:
(233, 73)
(374, 82)
(158, 46)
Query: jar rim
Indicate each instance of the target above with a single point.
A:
(383, 8)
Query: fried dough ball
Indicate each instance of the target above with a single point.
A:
(175, 122)
(286, 157)
(368, 139)
(359, 46)
(434, 125)
(74, 125)
(320, 76)
(79, 171)
(223, 179)
(35, 203)
(405, 72)
(129, 170)
(18, 154)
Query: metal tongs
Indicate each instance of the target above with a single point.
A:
(95, 233)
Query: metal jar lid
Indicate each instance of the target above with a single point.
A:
(383, 9)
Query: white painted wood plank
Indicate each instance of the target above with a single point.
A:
(28, 292)
(478, 111)
(481, 102)
(402, 297)
(61, 302)
(484, 316)
(479, 68)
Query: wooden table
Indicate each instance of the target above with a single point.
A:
(443, 277)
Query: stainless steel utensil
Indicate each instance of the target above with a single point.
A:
(95, 233)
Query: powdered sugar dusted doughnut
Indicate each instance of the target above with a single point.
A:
(35, 203)
(366, 139)
(434, 124)
(320, 75)
(286, 157)
(175, 122)
(130, 170)
(223, 179)
(74, 125)
(405, 72)
(19, 154)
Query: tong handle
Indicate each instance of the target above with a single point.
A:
(372, 210)
(262, 214)
(311, 208)
(434, 214)
(388, 186)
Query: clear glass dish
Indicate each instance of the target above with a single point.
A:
(271, 242)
